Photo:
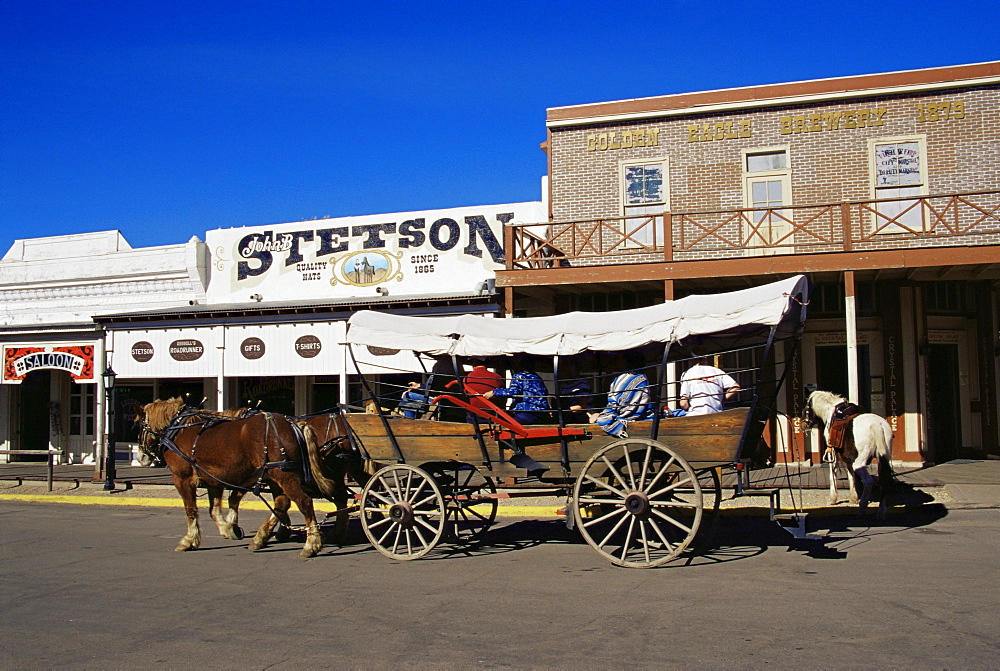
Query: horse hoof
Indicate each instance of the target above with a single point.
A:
(237, 532)
(282, 533)
(307, 554)
(184, 547)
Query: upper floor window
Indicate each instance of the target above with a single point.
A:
(767, 188)
(898, 171)
(644, 197)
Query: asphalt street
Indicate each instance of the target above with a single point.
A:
(100, 587)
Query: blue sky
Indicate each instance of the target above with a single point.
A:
(167, 118)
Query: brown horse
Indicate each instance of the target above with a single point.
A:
(260, 451)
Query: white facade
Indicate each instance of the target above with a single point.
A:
(50, 290)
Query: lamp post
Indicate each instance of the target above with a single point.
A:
(109, 455)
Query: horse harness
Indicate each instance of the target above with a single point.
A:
(208, 421)
(838, 436)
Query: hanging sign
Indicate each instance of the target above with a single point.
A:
(77, 360)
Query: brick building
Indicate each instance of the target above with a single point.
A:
(883, 188)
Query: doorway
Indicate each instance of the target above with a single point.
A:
(831, 371)
(33, 415)
(944, 417)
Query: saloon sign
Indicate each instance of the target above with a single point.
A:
(77, 360)
(429, 252)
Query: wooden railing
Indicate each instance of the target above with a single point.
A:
(913, 222)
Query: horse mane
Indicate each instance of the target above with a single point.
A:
(159, 414)
(824, 398)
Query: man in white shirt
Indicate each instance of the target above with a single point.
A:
(705, 388)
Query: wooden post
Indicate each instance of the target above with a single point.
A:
(851, 319)
(668, 238)
(845, 220)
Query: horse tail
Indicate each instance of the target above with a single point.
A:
(326, 486)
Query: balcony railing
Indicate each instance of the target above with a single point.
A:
(912, 222)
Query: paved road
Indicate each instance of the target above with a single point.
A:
(99, 587)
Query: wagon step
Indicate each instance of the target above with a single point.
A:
(795, 524)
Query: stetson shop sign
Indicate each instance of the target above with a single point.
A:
(446, 251)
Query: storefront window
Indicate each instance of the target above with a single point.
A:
(130, 399)
(273, 394)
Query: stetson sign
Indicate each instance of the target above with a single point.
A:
(142, 351)
(428, 252)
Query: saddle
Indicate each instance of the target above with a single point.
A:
(840, 421)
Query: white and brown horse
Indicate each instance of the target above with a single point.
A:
(866, 437)
(261, 451)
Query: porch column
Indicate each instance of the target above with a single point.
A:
(102, 355)
(851, 325)
(221, 397)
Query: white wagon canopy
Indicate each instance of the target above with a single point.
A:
(705, 323)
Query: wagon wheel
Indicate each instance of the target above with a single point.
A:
(469, 509)
(638, 503)
(402, 512)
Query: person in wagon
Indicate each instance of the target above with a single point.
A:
(628, 401)
(528, 392)
(705, 388)
(415, 401)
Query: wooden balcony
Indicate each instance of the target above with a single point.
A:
(857, 227)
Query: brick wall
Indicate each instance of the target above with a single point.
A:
(829, 160)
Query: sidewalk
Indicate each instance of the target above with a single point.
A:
(958, 484)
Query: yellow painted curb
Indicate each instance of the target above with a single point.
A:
(147, 502)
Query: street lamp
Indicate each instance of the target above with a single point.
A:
(109, 456)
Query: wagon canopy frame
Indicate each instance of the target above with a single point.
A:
(705, 323)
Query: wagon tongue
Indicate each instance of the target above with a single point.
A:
(522, 460)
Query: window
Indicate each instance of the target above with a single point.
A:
(898, 170)
(606, 301)
(827, 300)
(767, 187)
(81, 410)
(944, 298)
(644, 199)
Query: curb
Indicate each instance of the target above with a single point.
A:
(553, 511)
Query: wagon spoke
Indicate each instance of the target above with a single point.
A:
(399, 533)
(669, 488)
(672, 504)
(591, 499)
(384, 520)
(598, 520)
(663, 469)
(614, 470)
(628, 465)
(381, 498)
(628, 538)
(388, 531)
(617, 526)
(663, 539)
(420, 537)
(645, 467)
(591, 479)
(425, 500)
(645, 540)
(668, 518)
